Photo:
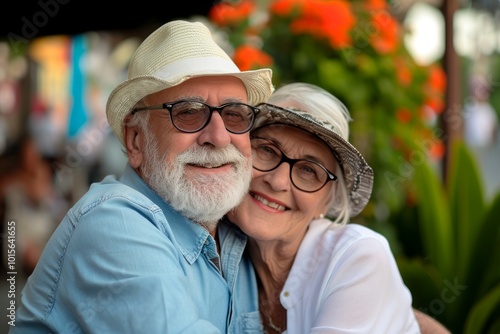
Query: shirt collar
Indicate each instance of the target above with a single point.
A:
(192, 238)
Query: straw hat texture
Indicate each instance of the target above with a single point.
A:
(175, 52)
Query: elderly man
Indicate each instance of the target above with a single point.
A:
(140, 254)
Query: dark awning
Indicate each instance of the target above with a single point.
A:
(30, 19)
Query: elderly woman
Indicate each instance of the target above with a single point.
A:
(316, 275)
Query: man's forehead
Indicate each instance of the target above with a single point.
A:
(226, 88)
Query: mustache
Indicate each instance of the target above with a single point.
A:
(211, 157)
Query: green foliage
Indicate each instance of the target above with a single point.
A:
(435, 220)
(456, 278)
(392, 99)
(483, 310)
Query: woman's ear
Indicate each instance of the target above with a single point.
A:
(133, 138)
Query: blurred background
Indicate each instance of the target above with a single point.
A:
(420, 78)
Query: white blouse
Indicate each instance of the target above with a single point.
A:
(345, 280)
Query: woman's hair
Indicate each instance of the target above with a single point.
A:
(323, 106)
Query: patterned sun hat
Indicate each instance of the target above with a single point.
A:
(358, 175)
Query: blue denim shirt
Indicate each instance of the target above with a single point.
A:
(124, 261)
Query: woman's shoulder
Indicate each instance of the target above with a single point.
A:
(336, 241)
(326, 229)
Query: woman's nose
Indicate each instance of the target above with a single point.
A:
(279, 178)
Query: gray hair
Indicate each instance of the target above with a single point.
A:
(140, 119)
(323, 106)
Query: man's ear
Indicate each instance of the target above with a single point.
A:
(133, 138)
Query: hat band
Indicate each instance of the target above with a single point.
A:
(212, 65)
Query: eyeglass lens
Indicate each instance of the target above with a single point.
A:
(191, 116)
(306, 175)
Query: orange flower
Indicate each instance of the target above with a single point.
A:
(404, 76)
(403, 72)
(385, 37)
(228, 13)
(403, 115)
(285, 7)
(375, 4)
(434, 89)
(248, 57)
(437, 79)
(436, 103)
(332, 20)
(437, 149)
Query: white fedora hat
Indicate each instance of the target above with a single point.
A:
(175, 52)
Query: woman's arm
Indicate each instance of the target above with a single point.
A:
(429, 325)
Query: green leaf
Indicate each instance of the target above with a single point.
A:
(435, 221)
(481, 312)
(466, 204)
(484, 271)
(422, 280)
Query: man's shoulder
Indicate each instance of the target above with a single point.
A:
(112, 192)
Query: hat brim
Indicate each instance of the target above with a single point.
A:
(358, 175)
(126, 95)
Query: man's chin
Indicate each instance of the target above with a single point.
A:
(211, 200)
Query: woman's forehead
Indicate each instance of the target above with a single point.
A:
(291, 138)
(285, 132)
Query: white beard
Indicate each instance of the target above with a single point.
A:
(203, 198)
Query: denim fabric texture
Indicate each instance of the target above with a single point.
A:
(124, 261)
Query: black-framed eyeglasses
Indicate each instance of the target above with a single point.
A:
(192, 116)
(306, 175)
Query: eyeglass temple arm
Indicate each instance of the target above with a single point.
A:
(158, 106)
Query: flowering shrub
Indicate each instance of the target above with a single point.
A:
(354, 49)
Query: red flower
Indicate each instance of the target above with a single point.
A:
(437, 149)
(248, 57)
(375, 4)
(434, 89)
(436, 103)
(403, 115)
(437, 79)
(403, 72)
(332, 20)
(329, 19)
(385, 37)
(228, 13)
(285, 7)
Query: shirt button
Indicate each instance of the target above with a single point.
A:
(286, 293)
